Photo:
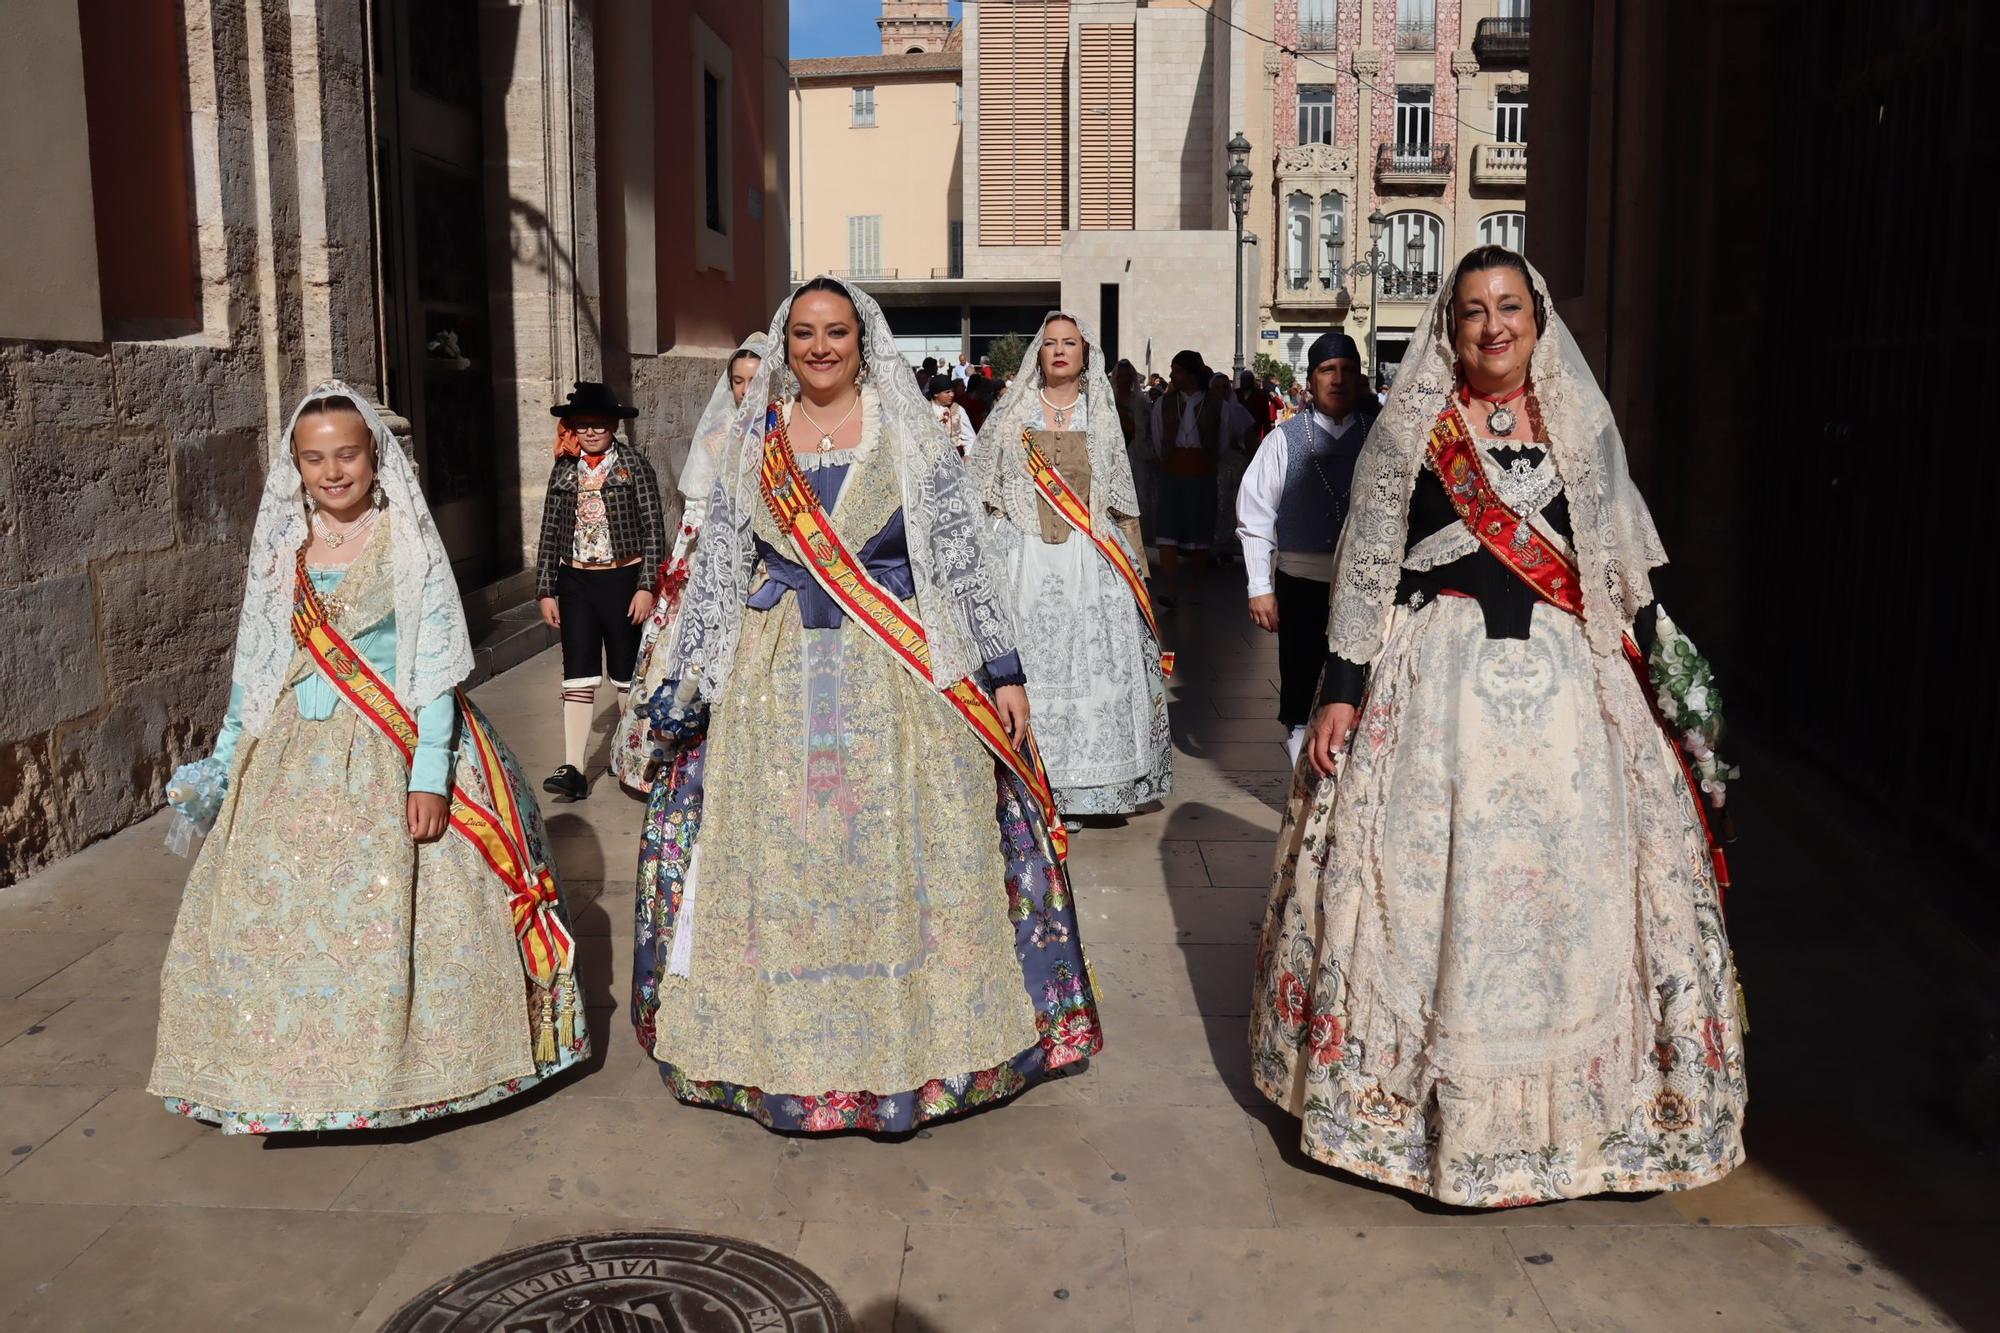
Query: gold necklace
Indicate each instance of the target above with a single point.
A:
(825, 435)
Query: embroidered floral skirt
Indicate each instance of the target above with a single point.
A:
(1095, 687)
(845, 919)
(1494, 969)
(326, 973)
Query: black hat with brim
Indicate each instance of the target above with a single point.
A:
(592, 399)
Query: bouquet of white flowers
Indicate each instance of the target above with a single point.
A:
(1691, 703)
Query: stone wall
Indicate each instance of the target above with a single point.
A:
(129, 471)
(670, 391)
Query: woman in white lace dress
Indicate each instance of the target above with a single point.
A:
(1494, 968)
(1087, 636)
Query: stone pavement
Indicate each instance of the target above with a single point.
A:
(1152, 1191)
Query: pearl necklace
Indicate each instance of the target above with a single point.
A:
(1059, 417)
(332, 539)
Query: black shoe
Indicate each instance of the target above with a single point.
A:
(566, 781)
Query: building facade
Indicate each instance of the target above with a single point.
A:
(1413, 110)
(236, 199)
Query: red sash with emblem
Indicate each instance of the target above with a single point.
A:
(796, 506)
(494, 831)
(1545, 568)
(1070, 507)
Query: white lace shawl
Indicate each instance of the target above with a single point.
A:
(1000, 464)
(433, 647)
(959, 592)
(1616, 543)
(711, 432)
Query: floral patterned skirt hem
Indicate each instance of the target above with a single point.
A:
(884, 1113)
(1120, 798)
(292, 1122)
(1624, 1163)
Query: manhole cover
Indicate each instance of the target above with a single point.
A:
(629, 1282)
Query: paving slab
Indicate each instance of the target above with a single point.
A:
(31, 1115)
(1052, 1277)
(96, 1039)
(39, 1240)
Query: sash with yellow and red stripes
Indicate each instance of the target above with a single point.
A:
(1070, 507)
(1545, 568)
(496, 833)
(796, 507)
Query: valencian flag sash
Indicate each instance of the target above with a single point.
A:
(1516, 543)
(796, 506)
(495, 831)
(1070, 507)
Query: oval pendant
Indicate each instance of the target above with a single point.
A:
(825, 443)
(1502, 421)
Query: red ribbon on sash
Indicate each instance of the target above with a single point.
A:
(497, 833)
(796, 506)
(1516, 543)
(1060, 497)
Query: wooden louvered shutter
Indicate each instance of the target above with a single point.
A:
(1104, 131)
(1023, 122)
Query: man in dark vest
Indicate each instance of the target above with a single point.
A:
(1288, 514)
(1191, 428)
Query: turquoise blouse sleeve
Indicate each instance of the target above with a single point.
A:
(431, 769)
(232, 730)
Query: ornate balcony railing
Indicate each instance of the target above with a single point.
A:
(1413, 163)
(863, 275)
(1304, 286)
(1318, 35)
(1500, 164)
(1501, 40)
(1397, 285)
(949, 271)
(1416, 35)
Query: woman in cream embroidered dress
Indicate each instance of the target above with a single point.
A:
(342, 959)
(1094, 677)
(846, 919)
(1494, 968)
(631, 744)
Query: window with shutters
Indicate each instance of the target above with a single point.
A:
(1105, 135)
(864, 246)
(864, 107)
(1298, 241)
(1315, 113)
(1510, 118)
(1023, 122)
(1332, 239)
(1413, 121)
(1508, 229)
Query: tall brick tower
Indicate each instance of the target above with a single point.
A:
(913, 25)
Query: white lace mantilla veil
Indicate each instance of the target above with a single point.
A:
(433, 647)
(1616, 543)
(958, 587)
(999, 464)
(716, 425)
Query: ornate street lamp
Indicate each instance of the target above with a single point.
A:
(1239, 200)
(1376, 268)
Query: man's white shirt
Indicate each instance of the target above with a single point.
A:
(1257, 511)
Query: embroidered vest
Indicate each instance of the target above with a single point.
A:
(1319, 475)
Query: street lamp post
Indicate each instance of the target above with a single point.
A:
(1239, 200)
(1377, 268)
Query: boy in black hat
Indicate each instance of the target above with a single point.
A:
(602, 542)
(1289, 511)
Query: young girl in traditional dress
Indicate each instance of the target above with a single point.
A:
(851, 910)
(372, 934)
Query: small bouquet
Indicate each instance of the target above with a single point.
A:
(195, 793)
(1691, 703)
(676, 717)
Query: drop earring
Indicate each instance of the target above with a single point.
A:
(376, 496)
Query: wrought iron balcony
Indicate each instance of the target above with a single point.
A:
(862, 275)
(1501, 41)
(1500, 164)
(1318, 35)
(949, 271)
(1398, 285)
(1416, 35)
(1418, 165)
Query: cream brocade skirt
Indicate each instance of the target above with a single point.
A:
(324, 965)
(849, 906)
(1494, 968)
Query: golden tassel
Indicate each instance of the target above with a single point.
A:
(567, 1008)
(545, 1029)
(1742, 1004)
